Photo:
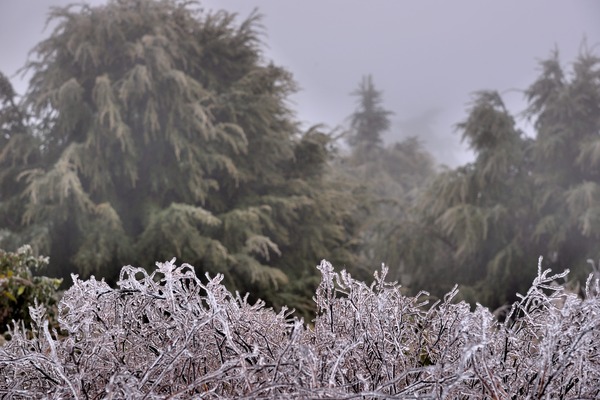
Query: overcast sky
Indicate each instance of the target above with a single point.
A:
(426, 56)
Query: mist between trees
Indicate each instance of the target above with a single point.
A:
(151, 129)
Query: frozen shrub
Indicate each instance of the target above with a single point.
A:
(172, 335)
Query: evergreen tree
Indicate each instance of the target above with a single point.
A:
(405, 168)
(481, 224)
(566, 114)
(475, 220)
(163, 133)
(383, 180)
(19, 150)
(369, 120)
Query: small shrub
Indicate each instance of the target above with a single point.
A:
(19, 287)
(172, 335)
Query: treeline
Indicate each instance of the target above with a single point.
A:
(152, 130)
(482, 224)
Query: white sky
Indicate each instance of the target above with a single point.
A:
(427, 56)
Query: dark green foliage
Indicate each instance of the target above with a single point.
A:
(152, 130)
(480, 224)
(385, 187)
(163, 133)
(566, 113)
(476, 220)
(19, 151)
(19, 288)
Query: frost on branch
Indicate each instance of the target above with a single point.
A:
(172, 335)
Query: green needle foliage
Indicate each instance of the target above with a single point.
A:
(19, 150)
(161, 132)
(565, 110)
(522, 197)
(476, 220)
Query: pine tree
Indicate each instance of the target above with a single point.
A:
(565, 110)
(474, 222)
(383, 180)
(19, 150)
(369, 121)
(481, 224)
(164, 133)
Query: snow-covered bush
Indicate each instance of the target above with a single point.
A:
(172, 335)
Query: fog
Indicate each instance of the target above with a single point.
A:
(426, 56)
(153, 136)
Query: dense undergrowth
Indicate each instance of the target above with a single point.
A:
(173, 335)
(21, 284)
